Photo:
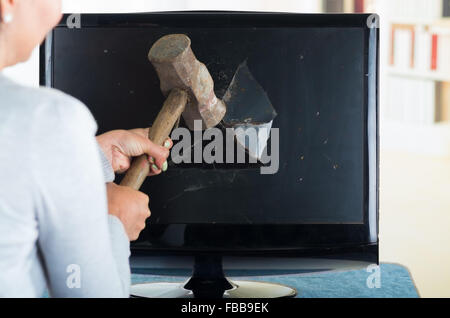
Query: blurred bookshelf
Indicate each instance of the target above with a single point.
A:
(417, 108)
(415, 71)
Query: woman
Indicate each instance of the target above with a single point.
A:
(55, 230)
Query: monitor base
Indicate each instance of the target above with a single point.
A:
(241, 289)
(209, 281)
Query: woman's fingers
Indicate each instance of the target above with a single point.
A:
(168, 143)
(135, 145)
(154, 168)
(121, 162)
(157, 155)
(140, 131)
(143, 132)
(130, 206)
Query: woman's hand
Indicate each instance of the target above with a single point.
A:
(130, 206)
(120, 146)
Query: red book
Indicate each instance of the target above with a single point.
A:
(359, 6)
(434, 51)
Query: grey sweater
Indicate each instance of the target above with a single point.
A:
(55, 231)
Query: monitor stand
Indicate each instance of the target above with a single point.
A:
(209, 281)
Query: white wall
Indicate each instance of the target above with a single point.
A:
(28, 73)
(173, 5)
(116, 6)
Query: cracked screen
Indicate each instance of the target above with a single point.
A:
(313, 77)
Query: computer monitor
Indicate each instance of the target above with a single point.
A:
(318, 212)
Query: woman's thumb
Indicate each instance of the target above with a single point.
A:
(158, 153)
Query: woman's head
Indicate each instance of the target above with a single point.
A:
(24, 25)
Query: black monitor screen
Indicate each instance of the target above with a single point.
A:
(316, 79)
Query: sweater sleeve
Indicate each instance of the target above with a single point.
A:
(108, 171)
(85, 250)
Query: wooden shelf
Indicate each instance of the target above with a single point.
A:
(430, 75)
(441, 23)
(415, 21)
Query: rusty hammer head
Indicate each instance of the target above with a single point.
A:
(177, 67)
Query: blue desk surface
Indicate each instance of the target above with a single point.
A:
(395, 281)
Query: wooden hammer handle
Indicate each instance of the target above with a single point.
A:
(172, 109)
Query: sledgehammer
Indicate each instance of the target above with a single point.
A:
(190, 92)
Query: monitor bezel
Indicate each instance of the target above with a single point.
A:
(361, 239)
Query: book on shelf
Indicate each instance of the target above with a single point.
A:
(441, 53)
(443, 102)
(402, 9)
(347, 6)
(402, 46)
(446, 9)
(411, 100)
(421, 48)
